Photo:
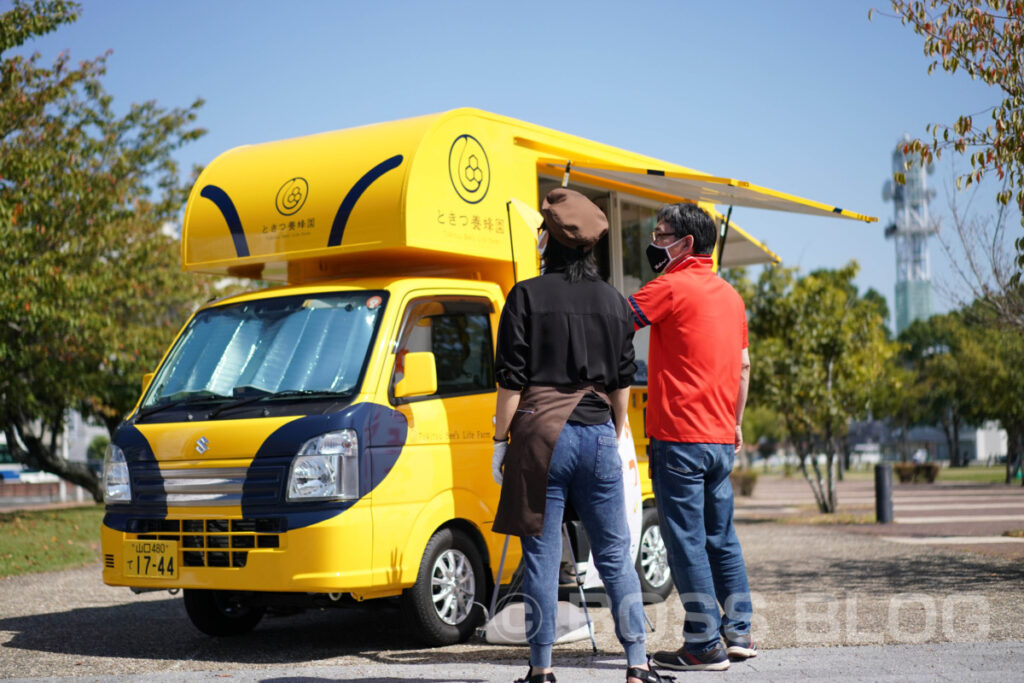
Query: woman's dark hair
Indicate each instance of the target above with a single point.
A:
(576, 263)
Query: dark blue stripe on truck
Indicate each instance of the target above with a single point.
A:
(227, 209)
(347, 204)
(381, 432)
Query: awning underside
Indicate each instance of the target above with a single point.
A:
(703, 188)
(743, 250)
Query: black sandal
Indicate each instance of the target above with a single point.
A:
(647, 675)
(537, 678)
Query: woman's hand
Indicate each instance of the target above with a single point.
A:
(499, 457)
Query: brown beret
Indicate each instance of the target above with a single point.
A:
(572, 219)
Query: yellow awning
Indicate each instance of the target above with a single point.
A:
(742, 249)
(698, 187)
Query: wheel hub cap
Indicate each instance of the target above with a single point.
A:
(452, 586)
(654, 557)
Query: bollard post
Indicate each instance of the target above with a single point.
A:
(883, 493)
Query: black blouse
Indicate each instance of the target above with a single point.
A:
(556, 333)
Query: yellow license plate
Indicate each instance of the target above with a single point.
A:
(151, 559)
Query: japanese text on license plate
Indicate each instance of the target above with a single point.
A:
(151, 559)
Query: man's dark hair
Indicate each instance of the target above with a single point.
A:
(576, 263)
(690, 219)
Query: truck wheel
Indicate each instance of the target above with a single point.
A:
(652, 560)
(221, 613)
(445, 603)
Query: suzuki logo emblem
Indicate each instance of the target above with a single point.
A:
(202, 445)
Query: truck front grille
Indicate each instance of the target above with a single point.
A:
(205, 486)
(212, 542)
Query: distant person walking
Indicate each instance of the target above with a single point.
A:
(697, 387)
(564, 364)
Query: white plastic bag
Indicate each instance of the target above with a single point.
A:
(634, 503)
(508, 627)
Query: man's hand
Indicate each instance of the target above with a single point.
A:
(499, 456)
(739, 438)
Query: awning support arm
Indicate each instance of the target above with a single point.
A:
(512, 253)
(725, 233)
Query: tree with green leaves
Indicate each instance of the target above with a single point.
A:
(820, 350)
(985, 40)
(991, 353)
(932, 351)
(90, 288)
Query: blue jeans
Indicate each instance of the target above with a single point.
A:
(585, 469)
(694, 497)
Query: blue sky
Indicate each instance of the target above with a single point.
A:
(804, 96)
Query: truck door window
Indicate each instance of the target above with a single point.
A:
(458, 333)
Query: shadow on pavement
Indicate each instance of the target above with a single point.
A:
(939, 572)
(160, 630)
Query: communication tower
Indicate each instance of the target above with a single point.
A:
(912, 225)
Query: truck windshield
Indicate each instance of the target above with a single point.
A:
(296, 347)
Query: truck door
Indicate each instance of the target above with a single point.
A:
(444, 471)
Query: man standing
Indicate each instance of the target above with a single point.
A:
(699, 369)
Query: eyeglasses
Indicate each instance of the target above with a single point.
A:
(658, 236)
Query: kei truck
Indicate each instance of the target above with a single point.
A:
(327, 439)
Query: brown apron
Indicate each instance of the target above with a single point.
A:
(542, 413)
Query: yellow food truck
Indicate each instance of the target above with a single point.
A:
(328, 439)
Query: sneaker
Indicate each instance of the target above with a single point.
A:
(681, 660)
(740, 648)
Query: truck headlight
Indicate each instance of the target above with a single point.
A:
(326, 467)
(117, 485)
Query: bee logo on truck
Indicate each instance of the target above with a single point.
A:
(469, 169)
(292, 196)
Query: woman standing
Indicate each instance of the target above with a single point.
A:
(564, 364)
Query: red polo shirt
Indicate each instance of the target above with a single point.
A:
(698, 333)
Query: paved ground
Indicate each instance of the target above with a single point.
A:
(833, 602)
(954, 515)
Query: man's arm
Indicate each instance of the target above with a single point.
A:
(741, 399)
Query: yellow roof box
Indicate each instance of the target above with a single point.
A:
(433, 195)
(418, 196)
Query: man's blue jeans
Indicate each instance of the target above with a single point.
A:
(585, 469)
(695, 506)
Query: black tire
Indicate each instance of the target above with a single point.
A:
(652, 560)
(221, 613)
(449, 612)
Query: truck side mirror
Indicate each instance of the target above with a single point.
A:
(420, 377)
(146, 379)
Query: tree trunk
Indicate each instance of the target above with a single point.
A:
(36, 451)
(904, 449)
(830, 464)
(959, 461)
(803, 450)
(1014, 448)
(948, 431)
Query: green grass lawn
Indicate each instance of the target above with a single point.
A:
(981, 475)
(46, 540)
(978, 474)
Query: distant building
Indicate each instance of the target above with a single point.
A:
(985, 445)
